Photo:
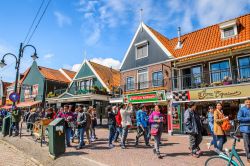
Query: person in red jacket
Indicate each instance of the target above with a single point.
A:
(118, 119)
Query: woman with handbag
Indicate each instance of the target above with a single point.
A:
(219, 118)
(156, 122)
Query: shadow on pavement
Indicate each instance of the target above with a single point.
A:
(75, 153)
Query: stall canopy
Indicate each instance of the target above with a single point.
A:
(6, 107)
(28, 104)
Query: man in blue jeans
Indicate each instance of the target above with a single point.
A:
(244, 118)
(142, 125)
(81, 123)
(112, 124)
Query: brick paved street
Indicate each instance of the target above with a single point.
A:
(174, 149)
(10, 156)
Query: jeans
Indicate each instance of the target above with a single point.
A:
(68, 135)
(222, 140)
(142, 132)
(92, 132)
(246, 138)
(157, 139)
(214, 140)
(194, 142)
(81, 136)
(16, 126)
(118, 133)
(124, 135)
(111, 133)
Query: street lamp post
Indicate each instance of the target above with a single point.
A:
(18, 60)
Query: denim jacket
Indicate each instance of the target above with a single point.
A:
(244, 117)
(210, 117)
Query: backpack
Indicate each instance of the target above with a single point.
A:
(226, 125)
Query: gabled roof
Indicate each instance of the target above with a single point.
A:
(22, 78)
(53, 75)
(70, 73)
(109, 76)
(205, 39)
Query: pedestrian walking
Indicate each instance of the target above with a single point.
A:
(68, 117)
(33, 116)
(81, 123)
(93, 123)
(193, 127)
(219, 118)
(244, 118)
(126, 111)
(142, 120)
(111, 124)
(156, 122)
(118, 120)
(88, 125)
(211, 127)
(15, 119)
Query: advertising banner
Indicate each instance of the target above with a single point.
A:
(155, 96)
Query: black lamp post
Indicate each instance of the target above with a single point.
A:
(18, 60)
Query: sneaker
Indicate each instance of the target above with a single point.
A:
(123, 147)
(217, 151)
(159, 156)
(79, 147)
(195, 155)
(208, 146)
(111, 146)
(199, 152)
(147, 144)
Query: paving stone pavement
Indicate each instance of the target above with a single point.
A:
(174, 149)
(10, 156)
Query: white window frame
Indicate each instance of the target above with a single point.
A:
(138, 77)
(228, 24)
(237, 62)
(153, 78)
(209, 63)
(140, 44)
(127, 83)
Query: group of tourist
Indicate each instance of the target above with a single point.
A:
(149, 124)
(119, 122)
(219, 125)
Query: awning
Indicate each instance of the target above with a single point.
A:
(27, 104)
(6, 107)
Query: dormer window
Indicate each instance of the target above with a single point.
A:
(141, 50)
(228, 29)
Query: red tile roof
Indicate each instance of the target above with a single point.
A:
(52, 74)
(70, 73)
(109, 76)
(22, 78)
(205, 39)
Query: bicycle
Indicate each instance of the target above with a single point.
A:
(223, 159)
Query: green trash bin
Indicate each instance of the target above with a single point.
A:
(56, 137)
(6, 125)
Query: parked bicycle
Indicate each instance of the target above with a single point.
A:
(223, 159)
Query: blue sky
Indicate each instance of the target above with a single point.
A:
(103, 29)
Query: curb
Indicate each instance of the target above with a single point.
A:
(13, 147)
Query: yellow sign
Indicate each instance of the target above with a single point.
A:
(221, 92)
(8, 102)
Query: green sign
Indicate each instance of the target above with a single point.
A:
(155, 96)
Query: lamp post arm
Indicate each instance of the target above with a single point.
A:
(28, 46)
(11, 55)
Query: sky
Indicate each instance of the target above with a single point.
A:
(99, 30)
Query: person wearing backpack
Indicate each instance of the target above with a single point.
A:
(156, 122)
(81, 124)
(244, 118)
(219, 118)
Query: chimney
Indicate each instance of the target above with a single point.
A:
(179, 44)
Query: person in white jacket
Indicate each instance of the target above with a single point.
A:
(126, 111)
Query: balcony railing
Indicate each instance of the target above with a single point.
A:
(144, 85)
(212, 78)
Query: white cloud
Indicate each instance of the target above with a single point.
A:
(110, 62)
(48, 56)
(62, 19)
(76, 67)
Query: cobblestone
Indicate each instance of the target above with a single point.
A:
(10, 156)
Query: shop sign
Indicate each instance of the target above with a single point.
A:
(31, 91)
(116, 100)
(155, 96)
(220, 93)
(176, 117)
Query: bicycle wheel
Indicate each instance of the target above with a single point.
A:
(217, 161)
